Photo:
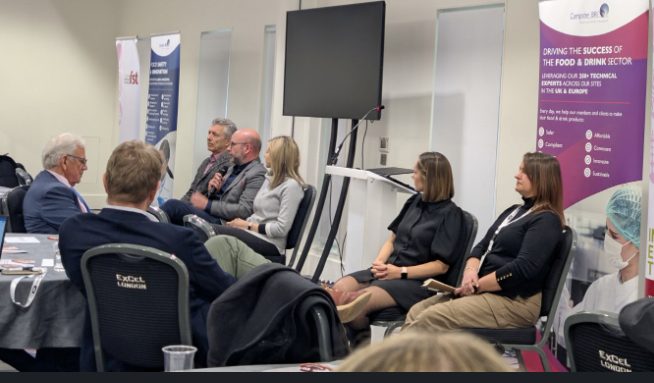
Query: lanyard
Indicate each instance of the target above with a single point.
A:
(506, 222)
(36, 282)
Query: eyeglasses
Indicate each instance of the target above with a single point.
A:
(82, 160)
(237, 143)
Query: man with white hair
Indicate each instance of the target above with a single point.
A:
(52, 198)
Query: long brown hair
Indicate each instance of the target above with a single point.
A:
(284, 160)
(544, 172)
(437, 177)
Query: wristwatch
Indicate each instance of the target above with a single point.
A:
(404, 272)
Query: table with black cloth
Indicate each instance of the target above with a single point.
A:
(56, 316)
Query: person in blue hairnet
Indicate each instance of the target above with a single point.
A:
(611, 292)
(621, 244)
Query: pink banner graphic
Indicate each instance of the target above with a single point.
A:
(129, 89)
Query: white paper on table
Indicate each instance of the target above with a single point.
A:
(21, 240)
(48, 262)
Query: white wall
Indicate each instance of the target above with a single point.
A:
(59, 73)
(408, 82)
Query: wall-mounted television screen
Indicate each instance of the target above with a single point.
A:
(334, 61)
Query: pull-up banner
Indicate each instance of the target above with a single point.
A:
(591, 107)
(129, 89)
(161, 124)
(591, 116)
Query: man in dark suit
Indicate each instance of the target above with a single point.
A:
(52, 198)
(218, 139)
(131, 181)
(232, 195)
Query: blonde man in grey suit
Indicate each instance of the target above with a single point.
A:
(230, 195)
(218, 138)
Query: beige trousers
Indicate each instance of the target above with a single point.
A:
(487, 310)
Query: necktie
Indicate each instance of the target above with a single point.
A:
(80, 201)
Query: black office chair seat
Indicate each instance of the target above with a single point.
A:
(389, 314)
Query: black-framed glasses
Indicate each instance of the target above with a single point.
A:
(82, 160)
(237, 143)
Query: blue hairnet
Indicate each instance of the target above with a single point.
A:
(623, 209)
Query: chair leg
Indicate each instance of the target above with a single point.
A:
(392, 327)
(543, 359)
(324, 341)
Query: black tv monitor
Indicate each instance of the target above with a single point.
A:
(334, 61)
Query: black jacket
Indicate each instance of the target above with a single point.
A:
(262, 319)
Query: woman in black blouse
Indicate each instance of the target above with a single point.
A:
(505, 274)
(425, 241)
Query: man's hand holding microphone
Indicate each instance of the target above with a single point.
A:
(199, 200)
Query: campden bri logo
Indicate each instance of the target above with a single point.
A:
(603, 12)
(165, 45)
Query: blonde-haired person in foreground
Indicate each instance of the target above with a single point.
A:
(425, 352)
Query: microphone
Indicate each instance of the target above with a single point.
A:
(222, 170)
(334, 158)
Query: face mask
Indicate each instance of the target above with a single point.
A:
(613, 248)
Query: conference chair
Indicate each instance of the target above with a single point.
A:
(300, 222)
(138, 303)
(595, 342)
(526, 338)
(159, 214)
(201, 227)
(274, 315)
(393, 317)
(12, 205)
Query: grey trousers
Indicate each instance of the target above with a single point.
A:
(486, 310)
(232, 255)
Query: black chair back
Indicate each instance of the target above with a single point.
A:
(300, 221)
(13, 205)
(138, 303)
(595, 342)
(455, 273)
(557, 275)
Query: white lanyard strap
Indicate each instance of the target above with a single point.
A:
(36, 282)
(506, 222)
